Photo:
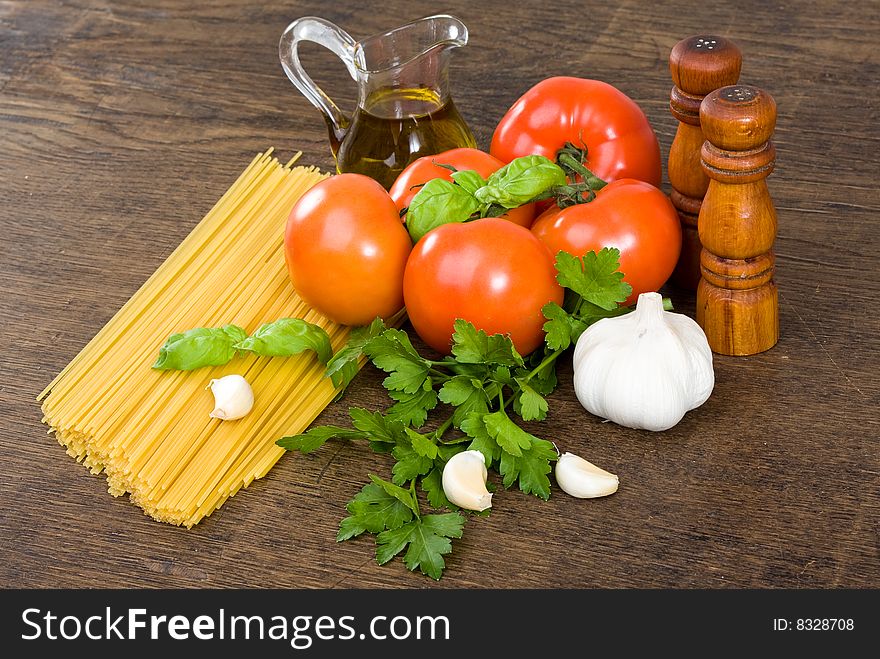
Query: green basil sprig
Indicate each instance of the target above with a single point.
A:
(202, 346)
(215, 346)
(468, 179)
(288, 336)
(520, 181)
(439, 202)
(470, 196)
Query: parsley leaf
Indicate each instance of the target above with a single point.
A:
(595, 277)
(502, 376)
(406, 497)
(428, 539)
(342, 368)
(589, 313)
(530, 468)
(466, 395)
(532, 405)
(475, 428)
(314, 438)
(381, 447)
(472, 346)
(544, 382)
(376, 426)
(432, 482)
(406, 377)
(412, 409)
(373, 510)
(457, 390)
(422, 444)
(415, 454)
(510, 437)
(393, 353)
(409, 464)
(560, 327)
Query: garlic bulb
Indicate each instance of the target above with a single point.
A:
(582, 479)
(233, 397)
(644, 369)
(464, 481)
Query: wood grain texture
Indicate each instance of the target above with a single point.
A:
(122, 122)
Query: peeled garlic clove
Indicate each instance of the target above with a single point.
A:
(464, 481)
(583, 479)
(233, 397)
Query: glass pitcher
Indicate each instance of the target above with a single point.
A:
(404, 108)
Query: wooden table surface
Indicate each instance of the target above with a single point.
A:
(122, 122)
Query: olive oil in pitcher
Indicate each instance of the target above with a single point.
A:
(396, 126)
(405, 109)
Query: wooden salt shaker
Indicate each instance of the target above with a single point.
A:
(737, 300)
(699, 65)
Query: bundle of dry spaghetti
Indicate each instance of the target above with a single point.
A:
(149, 431)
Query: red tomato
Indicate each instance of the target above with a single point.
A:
(633, 216)
(423, 170)
(618, 137)
(346, 249)
(490, 272)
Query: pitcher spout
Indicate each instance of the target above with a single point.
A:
(404, 45)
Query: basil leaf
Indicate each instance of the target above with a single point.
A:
(202, 346)
(469, 180)
(286, 337)
(438, 202)
(521, 181)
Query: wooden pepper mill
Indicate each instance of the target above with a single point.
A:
(737, 300)
(699, 65)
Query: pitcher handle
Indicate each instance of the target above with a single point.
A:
(332, 37)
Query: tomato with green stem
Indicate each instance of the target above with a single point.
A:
(587, 113)
(490, 272)
(633, 216)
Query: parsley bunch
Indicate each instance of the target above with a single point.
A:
(485, 389)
